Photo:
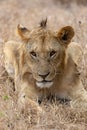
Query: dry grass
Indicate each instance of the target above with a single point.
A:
(55, 116)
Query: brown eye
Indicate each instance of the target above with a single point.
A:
(52, 53)
(33, 54)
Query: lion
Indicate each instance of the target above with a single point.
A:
(47, 64)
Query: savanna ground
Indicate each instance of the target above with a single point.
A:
(56, 116)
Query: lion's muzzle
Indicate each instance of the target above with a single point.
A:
(44, 84)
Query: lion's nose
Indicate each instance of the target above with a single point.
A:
(44, 76)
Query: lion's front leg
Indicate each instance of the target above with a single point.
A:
(27, 104)
(30, 109)
(79, 96)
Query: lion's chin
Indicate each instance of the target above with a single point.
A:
(44, 84)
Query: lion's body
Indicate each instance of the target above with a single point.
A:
(52, 70)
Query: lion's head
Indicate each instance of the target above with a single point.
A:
(45, 51)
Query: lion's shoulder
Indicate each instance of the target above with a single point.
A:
(75, 51)
(11, 52)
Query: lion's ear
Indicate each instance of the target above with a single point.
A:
(66, 34)
(23, 32)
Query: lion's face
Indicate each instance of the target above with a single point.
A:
(43, 59)
(45, 53)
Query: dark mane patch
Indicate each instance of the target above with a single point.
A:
(43, 23)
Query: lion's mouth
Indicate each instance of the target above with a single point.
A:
(44, 84)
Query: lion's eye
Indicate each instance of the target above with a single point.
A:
(33, 54)
(52, 53)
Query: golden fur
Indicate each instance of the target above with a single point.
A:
(47, 64)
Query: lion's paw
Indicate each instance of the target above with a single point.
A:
(79, 104)
(30, 109)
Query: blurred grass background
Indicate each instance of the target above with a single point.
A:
(29, 13)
